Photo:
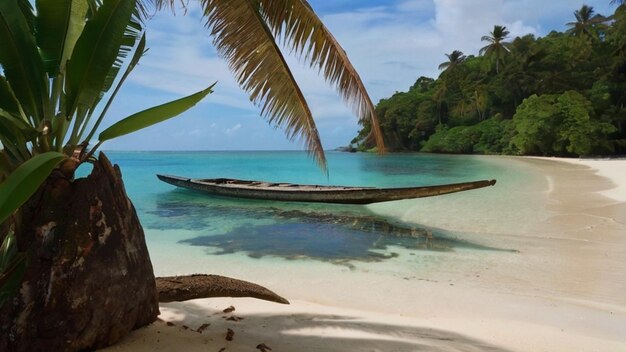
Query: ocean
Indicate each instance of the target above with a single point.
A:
(190, 232)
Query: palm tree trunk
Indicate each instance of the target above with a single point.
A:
(89, 280)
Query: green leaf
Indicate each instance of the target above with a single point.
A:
(12, 267)
(96, 52)
(18, 123)
(7, 98)
(134, 30)
(15, 138)
(153, 115)
(59, 25)
(20, 58)
(24, 181)
(139, 52)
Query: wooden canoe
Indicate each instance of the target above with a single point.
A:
(313, 193)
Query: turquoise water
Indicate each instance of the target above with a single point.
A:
(176, 220)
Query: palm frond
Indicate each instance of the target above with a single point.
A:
(105, 42)
(140, 50)
(302, 30)
(134, 31)
(59, 24)
(27, 10)
(97, 49)
(21, 61)
(8, 102)
(242, 37)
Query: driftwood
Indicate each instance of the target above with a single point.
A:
(184, 288)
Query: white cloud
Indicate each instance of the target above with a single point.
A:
(230, 131)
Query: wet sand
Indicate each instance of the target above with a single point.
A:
(559, 288)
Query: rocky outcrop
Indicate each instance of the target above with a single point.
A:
(89, 280)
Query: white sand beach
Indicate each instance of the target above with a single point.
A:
(561, 289)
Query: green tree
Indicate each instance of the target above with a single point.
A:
(423, 84)
(581, 133)
(497, 47)
(455, 58)
(587, 23)
(560, 125)
(472, 93)
(536, 121)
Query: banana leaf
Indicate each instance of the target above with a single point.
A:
(96, 51)
(21, 61)
(153, 115)
(24, 181)
(59, 25)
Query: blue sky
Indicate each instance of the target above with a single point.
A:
(390, 42)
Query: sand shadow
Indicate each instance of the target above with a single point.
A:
(320, 332)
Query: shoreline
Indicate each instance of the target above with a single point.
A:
(544, 298)
(604, 167)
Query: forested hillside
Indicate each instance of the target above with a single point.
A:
(562, 94)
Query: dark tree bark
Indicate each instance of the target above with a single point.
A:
(89, 280)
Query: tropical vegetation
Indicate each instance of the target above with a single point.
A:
(563, 94)
(59, 63)
(64, 61)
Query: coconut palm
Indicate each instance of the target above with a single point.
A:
(587, 23)
(245, 34)
(59, 64)
(618, 2)
(455, 58)
(63, 66)
(497, 47)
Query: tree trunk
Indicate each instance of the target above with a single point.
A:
(89, 280)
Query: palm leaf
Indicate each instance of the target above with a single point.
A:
(17, 122)
(13, 142)
(153, 115)
(139, 52)
(59, 25)
(95, 52)
(134, 31)
(243, 38)
(20, 59)
(8, 102)
(24, 181)
(304, 32)
(27, 9)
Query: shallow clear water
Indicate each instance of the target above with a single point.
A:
(176, 220)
